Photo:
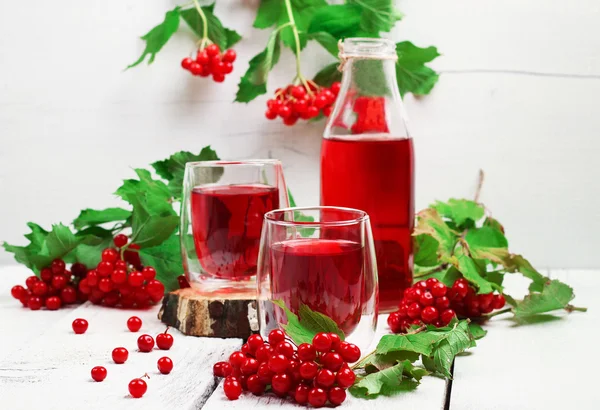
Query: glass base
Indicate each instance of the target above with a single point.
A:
(219, 288)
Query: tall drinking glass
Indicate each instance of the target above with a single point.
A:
(223, 208)
(328, 265)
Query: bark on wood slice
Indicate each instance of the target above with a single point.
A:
(200, 315)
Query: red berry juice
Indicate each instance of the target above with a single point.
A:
(226, 225)
(375, 174)
(324, 274)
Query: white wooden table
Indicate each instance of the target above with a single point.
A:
(551, 365)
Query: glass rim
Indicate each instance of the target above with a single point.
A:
(243, 162)
(369, 46)
(363, 217)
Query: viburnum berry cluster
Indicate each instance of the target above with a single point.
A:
(312, 373)
(302, 102)
(56, 287)
(210, 61)
(431, 302)
(114, 282)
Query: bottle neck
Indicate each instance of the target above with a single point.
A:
(372, 77)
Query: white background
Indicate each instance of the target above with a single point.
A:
(518, 97)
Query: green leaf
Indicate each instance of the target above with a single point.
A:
(377, 362)
(555, 295)
(91, 255)
(425, 250)
(469, 269)
(421, 343)
(92, 217)
(377, 15)
(302, 329)
(20, 253)
(254, 81)
(327, 41)
(411, 72)
(386, 382)
(456, 341)
(447, 275)
(328, 75)
(37, 237)
(412, 371)
(166, 259)
(340, 21)
(486, 241)
(460, 211)
(519, 264)
(159, 36)
(268, 13)
(430, 223)
(221, 36)
(477, 331)
(491, 222)
(173, 168)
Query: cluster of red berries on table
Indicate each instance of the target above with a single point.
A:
(137, 387)
(56, 287)
(115, 282)
(431, 302)
(310, 374)
(299, 102)
(210, 61)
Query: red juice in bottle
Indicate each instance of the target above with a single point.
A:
(226, 226)
(324, 274)
(375, 175)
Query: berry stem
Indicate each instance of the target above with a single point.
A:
(499, 312)
(359, 364)
(571, 308)
(204, 39)
(299, 76)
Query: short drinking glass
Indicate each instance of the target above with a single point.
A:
(223, 208)
(327, 264)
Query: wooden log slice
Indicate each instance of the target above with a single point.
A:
(200, 315)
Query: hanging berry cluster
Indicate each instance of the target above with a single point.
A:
(302, 102)
(432, 302)
(310, 374)
(210, 61)
(56, 287)
(115, 282)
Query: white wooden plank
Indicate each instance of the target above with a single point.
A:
(549, 365)
(52, 370)
(430, 395)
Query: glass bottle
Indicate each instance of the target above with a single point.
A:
(367, 159)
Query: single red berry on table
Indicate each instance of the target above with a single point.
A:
(317, 397)
(134, 323)
(276, 336)
(58, 266)
(17, 291)
(79, 326)
(164, 341)
(137, 388)
(222, 369)
(53, 303)
(232, 388)
(145, 343)
(165, 365)
(34, 303)
(120, 355)
(98, 373)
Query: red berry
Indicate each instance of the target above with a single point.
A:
(429, 314)
(196, 69)
(145, 343)
(31, 281)
(149, 273)
(104, 268)
(92, 278)
(135, 279)
(335, 87)
(327, 111)
(53, 303)
(442, 303)
(278, 363)
(58, 266)
(349, 352)
(110, 255)
(137, 388)
(312, 111)
(232, 387)
(59, 281)
(79, 326)
(255, 385)
(460, 288)
(120, 355)
(307, 352)
(276, 336)
(320, 101)
(308, 370)
(68, 295)
(264, 352)
(24, 299)
(185, 64)
(155, 289)
(46, 275)
(328, 95)
(322, 342)
(40, 288)
(17, 291)
(218, 77)
(34, 303)
(285, 348)
(325, 378)
(337, 395)
(273, 104)
(164, 341)
(281, 384)
(498, 302)
(202, 57)
(264, 373)
(246, 349)
(121, 240)
(165, 365)
(212, 50)
(98, 373)
(229, 56)
(222, 369)
(438, 289)
(345, 378)
(298, 92)
(105, 285)
(255, 341)
(270, 114)
(301, 394)
(118, 276)
(414, 310)
(134, 323)
(395, 322)
(447, 316)
(291, 120)
(84, 286)
(426, 299)
(250, 366)
(332, 361)
(284, 111)
(317, 397)
(183, 282)
(237, 359)
(300, 106)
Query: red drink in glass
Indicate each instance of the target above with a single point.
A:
(375, 174)
(226, 226)
(324, 274)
